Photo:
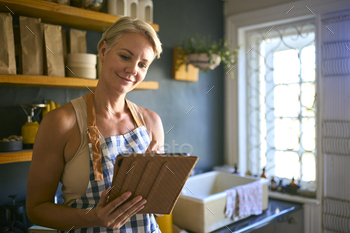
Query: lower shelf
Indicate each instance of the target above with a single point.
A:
(16, 156)
(46, 81)
(293, 198)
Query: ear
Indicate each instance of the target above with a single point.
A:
(103, 51)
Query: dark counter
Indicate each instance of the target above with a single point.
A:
(276, 209)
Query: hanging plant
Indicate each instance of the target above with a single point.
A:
(206, 54)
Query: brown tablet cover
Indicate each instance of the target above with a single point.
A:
(159, 178)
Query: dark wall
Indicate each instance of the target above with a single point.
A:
(202, 127)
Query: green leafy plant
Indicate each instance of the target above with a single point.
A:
(197, 44)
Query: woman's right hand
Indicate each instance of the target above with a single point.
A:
(116, 213)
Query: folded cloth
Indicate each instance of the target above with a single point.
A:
(244, 200)
(231, 203)
(249, 199)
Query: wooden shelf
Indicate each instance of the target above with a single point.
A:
(294, 198)
(60, 14)
(45, 81)
(16, 156)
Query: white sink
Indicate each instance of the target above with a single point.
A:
(201, 205)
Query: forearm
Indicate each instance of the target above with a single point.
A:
(61, 217)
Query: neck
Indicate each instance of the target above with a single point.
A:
(108, 103)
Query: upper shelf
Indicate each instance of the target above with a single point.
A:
(47, 81)
(60, 14)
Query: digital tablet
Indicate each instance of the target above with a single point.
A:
(158, 178)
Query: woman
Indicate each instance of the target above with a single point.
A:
(77, 143)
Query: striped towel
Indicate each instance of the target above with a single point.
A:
(244, 200)
(231, 203)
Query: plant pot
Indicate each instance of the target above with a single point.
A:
(202, 61)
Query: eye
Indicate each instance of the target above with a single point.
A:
(124, 57)
(143, 65)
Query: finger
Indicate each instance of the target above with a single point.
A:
(117, 202)
(128, 207)
(104, 197)
(136, 211)
(153, 146)
(126, 216)
(118, 223)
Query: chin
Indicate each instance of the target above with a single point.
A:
(123, 89)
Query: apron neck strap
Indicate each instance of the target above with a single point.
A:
(91, 113)
(133, 111)
(93, 137)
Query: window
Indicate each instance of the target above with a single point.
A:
(281, 112)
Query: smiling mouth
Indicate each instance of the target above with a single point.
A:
(127, 80)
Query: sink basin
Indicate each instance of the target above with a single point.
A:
(202, 203)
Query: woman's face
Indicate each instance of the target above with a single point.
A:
(126, 64)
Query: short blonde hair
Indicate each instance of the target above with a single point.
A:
(130, 25)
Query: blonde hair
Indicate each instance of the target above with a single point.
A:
(130, 25)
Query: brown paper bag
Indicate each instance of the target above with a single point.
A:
(32, 46)
(54, 50)
(77, 41)
(7, 44)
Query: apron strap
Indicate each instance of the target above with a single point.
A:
(134, 110)
(93, 133)
(93, 137)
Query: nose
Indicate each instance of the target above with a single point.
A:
(132, 68)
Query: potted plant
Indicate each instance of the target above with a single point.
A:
(206, 54)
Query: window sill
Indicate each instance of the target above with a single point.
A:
(293, 198)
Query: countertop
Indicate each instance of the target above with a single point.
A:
(275, 210)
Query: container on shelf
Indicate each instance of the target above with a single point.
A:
(112, 7)
(132, 8)
(30, 128)
(146, 10)
(11, 146)
(81, 65)
(81, 57)
(94, 5)
(63, 2)
(81, 72)
(117, 7)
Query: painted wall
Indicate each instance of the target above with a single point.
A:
(241, 6)
(202, 127)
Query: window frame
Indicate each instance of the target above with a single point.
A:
(253, 38)
(235, 27)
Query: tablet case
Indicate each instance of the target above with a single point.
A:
(158, 178)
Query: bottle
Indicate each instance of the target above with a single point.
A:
(236, 169)
(280, 187)
(264, 175)
(292, 182)
(30, 128)
(273, 184)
